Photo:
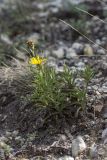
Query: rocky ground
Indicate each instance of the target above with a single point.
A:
(24, 135)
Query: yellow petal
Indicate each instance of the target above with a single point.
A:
(36, 60)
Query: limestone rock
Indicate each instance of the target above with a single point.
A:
(78, 47)
(78, 146)
(88, 50)
(58, 53)
(66, 158)
(104, 134)
(4, 38)
(70, 53)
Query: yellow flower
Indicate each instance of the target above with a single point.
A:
(37, 60)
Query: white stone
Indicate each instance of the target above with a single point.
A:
(78, 146)
(105, 141)
(8, 134)
(105, 115)
(5, 146)
(88, 50)
(59, 69)
(3, 139)
(105, 121)
(77, 46)
(66, 158)
(81, 66)
(23, 159)
(101, 51)
(51, 61)
(70, 53)
(2, 145)
(18, 138)
(6, 39)
(104, 134)
(58, 53)
(15, 133)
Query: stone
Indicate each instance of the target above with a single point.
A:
(59, 69)
(98, 42)
(88, 50)
(104, 134)
(105, 121)
(2, 154)
(105, 141)
(4, 38)
(18, 139)
(105, 112)
(78, 146)
(101, 51)
(22, 159)
(3, 139)
(58, 53)
(78, 47)
(105, 116)
(98, 107)
(70, 53)
(80, 66)
(101, 151)
(87, 138)
(15, 133)
(8, 134)
(34, 37)
(93, 151)
(5, 147)
(66, 158)
(51, 62)
(2, 144)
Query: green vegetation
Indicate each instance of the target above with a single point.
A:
(79, 22)
(58, 91)
(74, 10)
(79, 25)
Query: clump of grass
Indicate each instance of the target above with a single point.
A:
(80, 24)
(73, 8)
(78, 20)
(57, 91)
(4, 57)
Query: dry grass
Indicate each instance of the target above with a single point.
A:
(15, 79)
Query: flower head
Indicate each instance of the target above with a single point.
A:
(30, 43)
(37, 60)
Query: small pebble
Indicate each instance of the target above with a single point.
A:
(93, 151)
(66, 158)
(104, 134)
